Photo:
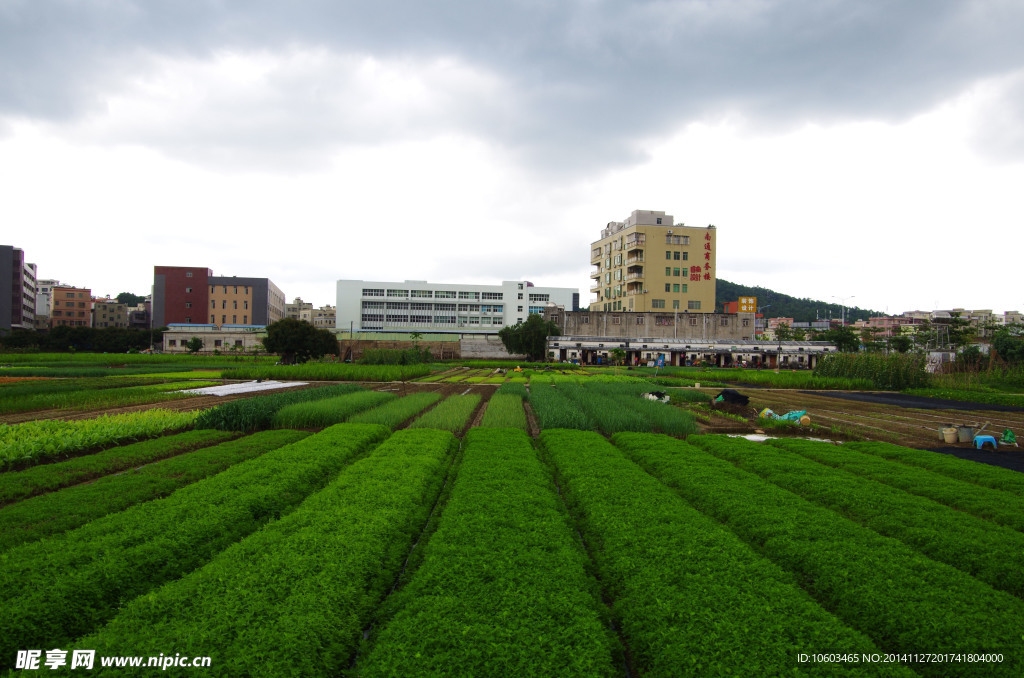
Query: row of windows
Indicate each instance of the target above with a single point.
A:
(370, 318)
(540, 297)
(420, 306)
(692, 305)
(213, 289)
(223, 304)
(224, 319)
(444, 294)
(677, 255)
(676, 287)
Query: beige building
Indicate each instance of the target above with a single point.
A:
(109, 313)
(245, 301)
(649, 263)
(70, 306)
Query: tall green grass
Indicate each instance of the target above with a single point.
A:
(452, 414)
(892, 372)
(323, 413)
(504, 410)
(329, 372)
(257, 413)
(394, 412)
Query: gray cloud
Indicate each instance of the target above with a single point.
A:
(571, 85)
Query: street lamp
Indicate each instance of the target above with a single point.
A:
(843, 299)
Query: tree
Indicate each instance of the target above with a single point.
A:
(783, 332)
(617, 355)
(194, 345)
(529, 338)
(901, 343)
(129, 299)
(843, 338)
(296, 341)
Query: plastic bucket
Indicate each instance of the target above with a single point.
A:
(949, 435)
(966, 433)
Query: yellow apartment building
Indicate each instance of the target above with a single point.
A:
(244, 301)
(649, 263)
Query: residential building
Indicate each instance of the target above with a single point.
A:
(44, 296)
(194, 296)
(299, 310)
(139, 315)
(17, 290)
(70, 306)
(650, 263)
(109, 313)
(325, 317)
(419, 306)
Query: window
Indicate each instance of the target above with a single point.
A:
(217, 343)
(245, 320)
(540, 297)
(659, 221)
(188, 304)
(668, 254)
(445, 295)
(234, 320)
(172, 342)
(223, 319)
(213, 303)
(668, 271)
(693, 305)
(725, 322)
(657, 303)
(675, 255)
(188, 290)
(684, 286)
(639, 319)
(668, 287)
(693, 321)
(521, 294)
(188, 274)
(188, 319)
(494, 296)
(373, 293)
(245, 305)
(675, 272)
(398, 293)
(746, 323)
(422, 294)
(238, 342)
(686, 256)
(675, 287)
(585, 319)
(675, 304)
(223, 303)
(616, 320)
(235, 302)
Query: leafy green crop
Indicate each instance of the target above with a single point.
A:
(36, 480)
(524, 604)
(395, 412)
(36, 441)
(689, 596)
(504, 411)
(71, 507)
(62, 587)
(293, 598)
(257, 413)
(452, 414)
(321, 413)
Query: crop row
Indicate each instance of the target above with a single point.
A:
(991, 553)
(998, 506)
(980, 474)
(504, 410)
(61, 587)
(36, 441)
(691, 598)
(883, 588)
(71, 507)
(16, 485)
(293, 598)
(106, 398)
(329, 372)
(327, 411)
(451, 414)
(395, 412)
(503, 572)
(257, 413)
(608, 406)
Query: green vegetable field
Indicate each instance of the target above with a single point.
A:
(406, 532)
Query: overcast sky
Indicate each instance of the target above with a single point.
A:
(867, 151)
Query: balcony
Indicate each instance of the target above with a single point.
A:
(595, 254)
(635, 276)
(636, 241)
(596, 288)
(595, 274)
(638, 259)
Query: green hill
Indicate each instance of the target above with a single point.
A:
(785, 306)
